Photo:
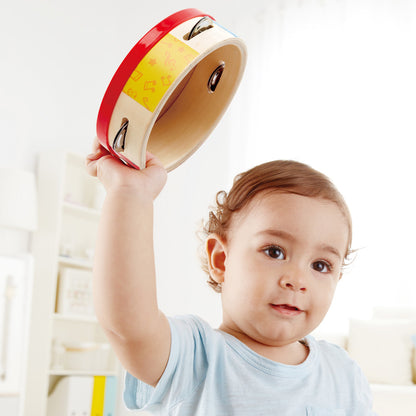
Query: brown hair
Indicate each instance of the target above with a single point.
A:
(284, 176)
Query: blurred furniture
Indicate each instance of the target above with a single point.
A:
(18, 216)
(64, 336)
(15, 274)
(18, 208)
(385, 349)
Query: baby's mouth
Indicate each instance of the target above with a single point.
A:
(290, 307)
(287, 309)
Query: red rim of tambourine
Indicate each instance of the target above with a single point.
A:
(129, 64)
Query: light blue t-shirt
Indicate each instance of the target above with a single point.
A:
(211, 373)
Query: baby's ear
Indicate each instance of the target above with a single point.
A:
(216, 255)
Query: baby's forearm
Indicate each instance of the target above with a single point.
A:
(124, 271)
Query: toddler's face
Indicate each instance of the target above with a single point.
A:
(283, 259)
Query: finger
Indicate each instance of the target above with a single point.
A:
(98, 147)
(95, 145)
(91, 166)
(98, 151)
(152, 160)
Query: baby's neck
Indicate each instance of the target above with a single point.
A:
(290, 354)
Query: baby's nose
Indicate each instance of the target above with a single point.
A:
(296, 287)
(293, 280)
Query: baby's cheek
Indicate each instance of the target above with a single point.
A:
(326, 302)
(322, 300)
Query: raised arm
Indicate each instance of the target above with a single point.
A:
(124, 283)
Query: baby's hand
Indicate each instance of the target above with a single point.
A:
(115, 176)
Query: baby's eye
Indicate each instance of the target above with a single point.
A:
(275, 252)
(321, 266)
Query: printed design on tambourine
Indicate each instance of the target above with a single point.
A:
(157, 71)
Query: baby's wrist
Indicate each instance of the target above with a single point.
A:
(131, 194)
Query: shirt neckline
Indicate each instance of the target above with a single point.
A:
(269, 366)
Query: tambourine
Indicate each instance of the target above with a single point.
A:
(171, 90)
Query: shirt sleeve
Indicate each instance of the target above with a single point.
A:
(185, 370)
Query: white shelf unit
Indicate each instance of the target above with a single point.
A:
(69, 209)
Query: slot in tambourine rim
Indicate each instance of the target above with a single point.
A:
(130, 62)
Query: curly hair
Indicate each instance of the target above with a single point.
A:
(285, 176)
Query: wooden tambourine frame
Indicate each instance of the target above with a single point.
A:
(171, 90)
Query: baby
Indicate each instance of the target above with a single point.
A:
(275, 249)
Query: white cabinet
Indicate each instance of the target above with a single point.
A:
(64, 336)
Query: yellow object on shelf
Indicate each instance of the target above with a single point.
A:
(97, 407)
